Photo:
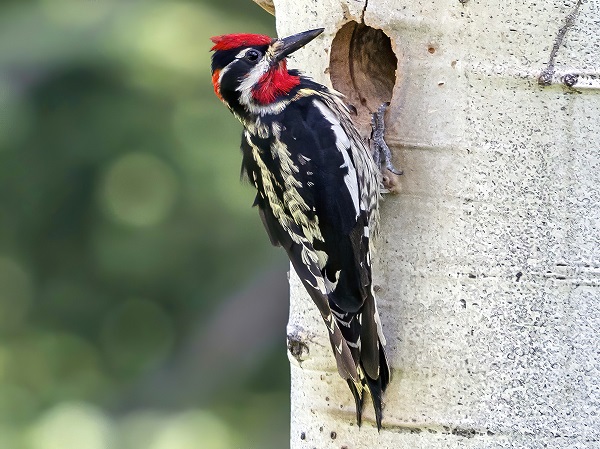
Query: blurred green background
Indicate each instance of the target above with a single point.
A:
(141, 305)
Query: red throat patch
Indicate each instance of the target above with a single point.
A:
(231, 41)
(276, 82)
(216, 86)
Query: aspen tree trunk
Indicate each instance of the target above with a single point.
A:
(488, 268)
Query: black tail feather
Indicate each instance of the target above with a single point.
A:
(376, 390)
(358, 400)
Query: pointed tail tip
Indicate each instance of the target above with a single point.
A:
(378, 413)
(378, 419)
(358, 401)
(376, 390)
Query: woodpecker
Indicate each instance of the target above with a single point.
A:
(317, 193)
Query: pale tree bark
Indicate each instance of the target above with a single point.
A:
(489, 259)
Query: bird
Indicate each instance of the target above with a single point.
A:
(317, 193)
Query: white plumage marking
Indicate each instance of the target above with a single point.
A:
(354, 345)
(248, 83)
(252, 79)
(343, 145)
(340, 318)
(341, 138)
(303, 159)
(323, 257)
(223, 72)
(378, 323)
(329, 285)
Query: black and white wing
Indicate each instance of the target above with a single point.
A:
(317, 196)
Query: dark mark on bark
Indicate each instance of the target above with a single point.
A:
(570, 79)
(297, 348)
(364, 10)
(545, 78)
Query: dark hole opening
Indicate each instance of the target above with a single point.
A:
(363, 68)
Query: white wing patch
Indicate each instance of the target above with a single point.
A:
(329, 285)
(343, 145)
(367, 172)
(341, 138)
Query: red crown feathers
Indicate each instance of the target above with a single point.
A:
(231, 41)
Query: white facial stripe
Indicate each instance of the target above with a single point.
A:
(251, 80)
(242, 54)
(223, 72)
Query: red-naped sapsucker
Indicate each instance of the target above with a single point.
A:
(317, 193)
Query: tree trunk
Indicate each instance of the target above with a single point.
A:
(489, 259)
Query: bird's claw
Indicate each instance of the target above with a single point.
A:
(382, 151)
(393, 169)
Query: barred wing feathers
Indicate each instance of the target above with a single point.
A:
(317, 196)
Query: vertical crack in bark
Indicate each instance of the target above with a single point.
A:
(545, 78)
(364, 10)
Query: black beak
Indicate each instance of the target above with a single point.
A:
(288, 45)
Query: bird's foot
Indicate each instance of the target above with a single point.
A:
(382, 154)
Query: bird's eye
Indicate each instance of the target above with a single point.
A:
(252, 55)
